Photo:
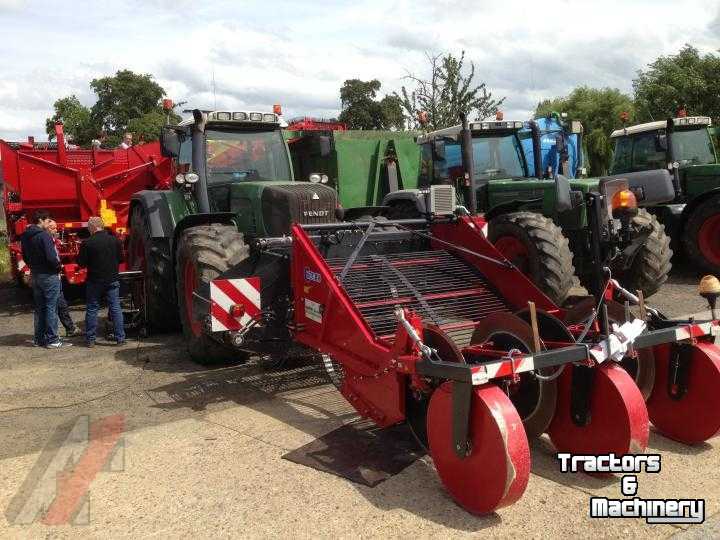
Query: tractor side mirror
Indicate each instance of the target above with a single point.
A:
(438, 150)
(563, 199)
(325, 146)
(170, 143)
(661, 142)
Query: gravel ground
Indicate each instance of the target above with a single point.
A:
(200, 452)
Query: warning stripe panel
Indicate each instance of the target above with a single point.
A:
(227, 293)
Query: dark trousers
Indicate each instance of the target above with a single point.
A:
(95, 292)
(64, 313)
(46, 291)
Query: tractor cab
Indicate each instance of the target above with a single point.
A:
(238, 162)
(496, 148)
(683, 145)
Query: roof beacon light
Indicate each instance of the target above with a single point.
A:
(499, 115)
(277, 109)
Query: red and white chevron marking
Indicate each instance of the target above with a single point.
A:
(228, 296)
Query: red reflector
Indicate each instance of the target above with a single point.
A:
(237, 310)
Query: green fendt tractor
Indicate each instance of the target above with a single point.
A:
(685, 147)
(235, 184)
(524, 222)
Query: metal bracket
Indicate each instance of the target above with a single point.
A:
(461, 402)
(583, 378)
(679, 370)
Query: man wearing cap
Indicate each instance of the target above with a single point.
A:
(101, 255)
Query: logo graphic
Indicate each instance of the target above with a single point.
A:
(310, 275)
(56, 490)
(653, 510)
(315, 197)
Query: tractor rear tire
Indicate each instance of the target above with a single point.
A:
(702, 236)
(152, 256)
(652, 265)
(204, 253)
(538, 248)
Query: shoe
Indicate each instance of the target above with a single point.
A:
(120, 343)
(33, 343)
(90, 344)
(72, 333)
(58, 345)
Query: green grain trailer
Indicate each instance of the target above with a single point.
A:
(363, 166)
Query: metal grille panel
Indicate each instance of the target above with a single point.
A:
(441, 288)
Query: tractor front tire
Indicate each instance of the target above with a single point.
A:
(204, 253)
(702, 236)
(152, 257)
(651, 266)
(538, 248)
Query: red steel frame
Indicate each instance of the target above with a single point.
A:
(74, 184)
(374, 381)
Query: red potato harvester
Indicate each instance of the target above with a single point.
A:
(74, 184)
(424, 322)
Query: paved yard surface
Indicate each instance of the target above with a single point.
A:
(197, 452)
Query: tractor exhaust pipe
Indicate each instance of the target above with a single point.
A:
(467, 158)
(198, 161)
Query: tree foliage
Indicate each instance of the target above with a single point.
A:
(126, 101)
(361, 109)
(447, 95)
(686, 80)
(599, 111)
(76, 118)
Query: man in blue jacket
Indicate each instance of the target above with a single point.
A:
(39, 253)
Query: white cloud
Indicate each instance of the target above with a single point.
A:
(299, 53)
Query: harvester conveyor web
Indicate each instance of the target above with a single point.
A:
(441, 288)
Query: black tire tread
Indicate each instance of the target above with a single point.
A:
(214, 249)
(690, 239)
(551, 263)
(652, 264)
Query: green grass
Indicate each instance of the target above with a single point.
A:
(4, 259)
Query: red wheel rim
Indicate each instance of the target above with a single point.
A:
(190, 283)
(709, 239)
(695, 416)
(496, 471)
(618, 416)
(515, 251)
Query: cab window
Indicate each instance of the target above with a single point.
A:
(646, 154)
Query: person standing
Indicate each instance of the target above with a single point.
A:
(101, 255)
(39, 253)
(63, 308)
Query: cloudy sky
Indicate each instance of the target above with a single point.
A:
(298, 53)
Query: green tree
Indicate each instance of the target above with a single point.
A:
(147, 127)
(76, 118)
(447, 95)
(361, 110)
(122, 97)
(685, 80)
(599, 111)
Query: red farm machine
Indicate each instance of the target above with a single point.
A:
(416, 320)
(74, 184)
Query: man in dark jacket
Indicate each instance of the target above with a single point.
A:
(101, 255)
(39, 253)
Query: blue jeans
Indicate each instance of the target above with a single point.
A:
(46, 291)
(94, 293)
